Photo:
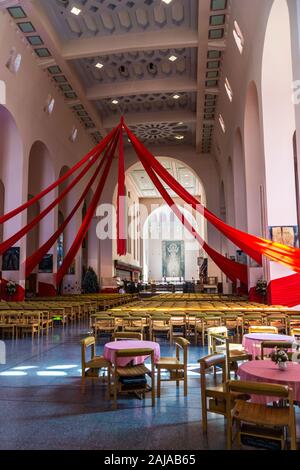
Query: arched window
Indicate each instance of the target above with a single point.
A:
(49, 105)
(14, 61)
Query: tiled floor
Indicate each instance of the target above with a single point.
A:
(42, 404)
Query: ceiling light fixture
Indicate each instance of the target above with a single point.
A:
(180, 123)
(172, 58)
(99, 66)
(76, 11)
(115, 102)
(179, 137)
(167, 2)
(176, 97)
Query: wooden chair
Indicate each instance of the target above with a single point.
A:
(250, 319)
(104, 324)
(260, 419)
(176, 366)
(213, 395)
(263, 329)
(234, 353)
(91, 367)
(133, 371)
(279, 320)
(161, 324)
(272, 345)
(135, 324)
(295, 332)
(293, 322)
(127, 335)
(179, 322)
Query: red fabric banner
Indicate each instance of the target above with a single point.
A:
(254, 246)
(14, 238)
(36, 257)
(285, 291)
(95, 151)
(232, 269)
(121, 209)
(88, 217)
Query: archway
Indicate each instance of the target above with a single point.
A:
(11, 176)
(254, 162)
(170, 251)
(279, 127)
(142, 200)
(40, 175)
(279, 117)
(240, 202)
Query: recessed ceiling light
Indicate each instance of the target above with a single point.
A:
(176, 97)
(76, 11)
(115, 102)
(99, 66)
(172, 58)
(167, 1)
(180, 123)
(179, 137)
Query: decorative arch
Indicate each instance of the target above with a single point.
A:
(254, 162)
(239, 177)
(279, 117)
(11, 167)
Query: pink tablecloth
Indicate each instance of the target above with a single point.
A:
(252, 341)
(268, 371)
(111, 348)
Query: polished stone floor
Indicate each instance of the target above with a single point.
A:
(43, 406)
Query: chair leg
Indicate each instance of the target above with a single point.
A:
(158, 382)
(185, 383)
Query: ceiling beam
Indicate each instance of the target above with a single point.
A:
(140, 87)
(151, 117)
(133, 42)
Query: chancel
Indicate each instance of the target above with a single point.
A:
(149, 226)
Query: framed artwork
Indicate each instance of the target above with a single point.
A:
(286, 235)
(46, 264)
(11, 260)
(173, 259)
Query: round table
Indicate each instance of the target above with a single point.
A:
(111, 348)
(252, 341)
(268, 371)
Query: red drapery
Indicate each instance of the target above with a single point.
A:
(232, 269)
(14, 238)
(95, 151)
(121, 238)
(36, 257)
(285, 291)
(254, 246)
(88, 217)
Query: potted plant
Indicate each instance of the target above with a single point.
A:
(281, 358)
(11, 289)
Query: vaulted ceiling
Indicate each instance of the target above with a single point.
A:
(157, 62)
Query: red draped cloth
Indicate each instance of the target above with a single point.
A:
(36, 257)
(88, 217)
(95, 151)
(121, 209)
(232, 269)
(254, 246)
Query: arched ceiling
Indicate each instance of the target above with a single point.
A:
(157, 62)
(182, 173)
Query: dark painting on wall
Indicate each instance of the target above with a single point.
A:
(11, 260)
(46, 265)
